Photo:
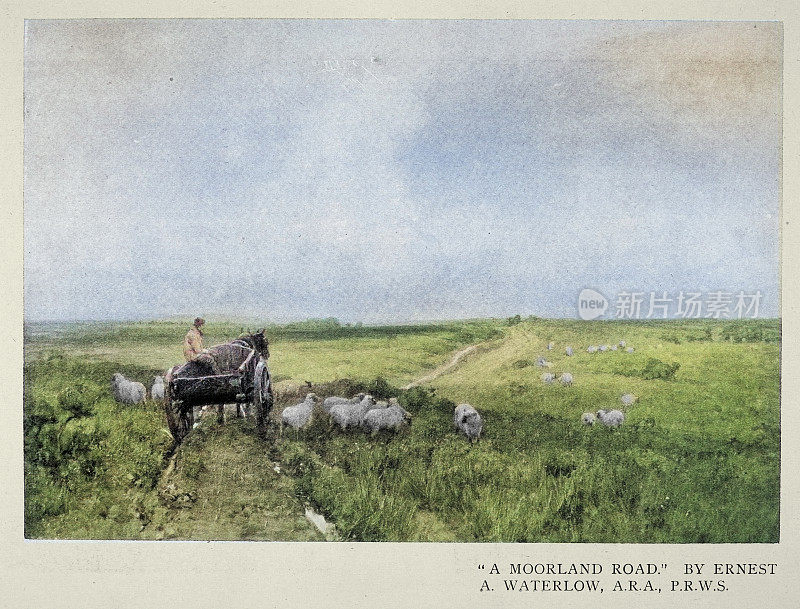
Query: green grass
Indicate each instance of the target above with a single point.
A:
(697, 459)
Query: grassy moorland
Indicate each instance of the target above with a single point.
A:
(697, 459)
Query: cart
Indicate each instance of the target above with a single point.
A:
(235, 372)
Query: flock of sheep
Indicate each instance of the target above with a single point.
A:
(609, 418)
(364, 412)
(361, 411)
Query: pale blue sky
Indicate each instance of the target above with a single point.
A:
(384, 171)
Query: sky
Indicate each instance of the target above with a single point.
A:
(393, 171)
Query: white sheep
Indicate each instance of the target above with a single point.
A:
(351, 415)
(591, 349)
(331, 401)
(391, 418)
(588, 418)
(126, 391)
(541, 362)
(468, 421)
(569, 351)
(603, 348)
(566, 379)
(613, 347)
(628, 399)
(299, 415)
(548, 378)
(550, 346)
(157, 391)
(629, 349)
(611, 418)
(622, 343)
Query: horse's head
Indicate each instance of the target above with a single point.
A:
(260, 343)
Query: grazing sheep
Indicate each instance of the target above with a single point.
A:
(468, 421)
(622, 343)
(569, 351)
(330, 402)
(611, 418)
(628, 399)
(591, 349)
(351, 415)
(629, 349)
(127, 392)
(566, 379)
(613, 347)
(541, 362)
(299, 415)
(391, 418)
(603, 348)
(550, 346)
(588, 418)
(548, 378)
(157, 391)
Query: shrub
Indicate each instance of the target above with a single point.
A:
(656, 369)
(671, 337)
(653, 369)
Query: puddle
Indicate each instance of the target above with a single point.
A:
(323, 526)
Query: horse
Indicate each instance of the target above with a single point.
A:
(232, 371)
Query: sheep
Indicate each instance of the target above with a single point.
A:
(299, 415)
(351, 415)
(468, 421)
(628, 399)
(566, 379)
(622, 343)
(611, 418)
(391, 418)
(591, 349)
(541, 362)
(127, 392)
(569, 351)
(548, 378)
(629, 350)
(613, 347)
(157, 391)
(330, 402)
(550, 346)
(588, 418)
(603, 348)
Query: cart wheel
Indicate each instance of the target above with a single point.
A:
(171, 410)
(262, 396)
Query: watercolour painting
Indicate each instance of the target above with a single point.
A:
(537, 262)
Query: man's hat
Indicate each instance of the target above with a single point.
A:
(199, 321)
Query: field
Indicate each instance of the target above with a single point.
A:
(697, 459)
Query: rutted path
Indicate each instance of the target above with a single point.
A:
(443, 369)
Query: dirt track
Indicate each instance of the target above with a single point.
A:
(444, 368)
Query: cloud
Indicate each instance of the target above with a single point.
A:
(380, 171)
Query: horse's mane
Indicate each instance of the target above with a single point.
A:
(250, 340)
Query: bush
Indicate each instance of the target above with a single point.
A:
(656, 369)
(653, 369)
(78, 400)
(380, 389)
